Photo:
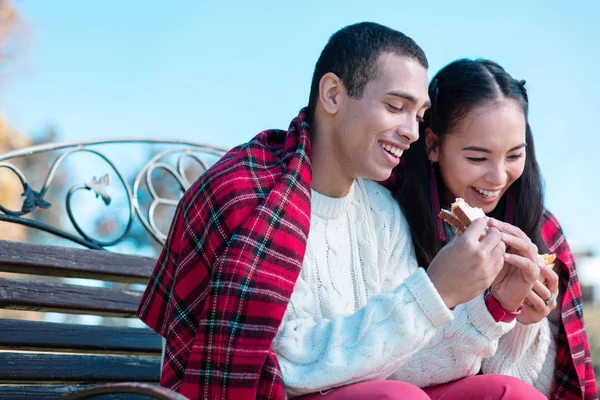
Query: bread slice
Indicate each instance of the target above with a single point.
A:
(461, 215)
(452, 220)
(548, 261)
(465, 213)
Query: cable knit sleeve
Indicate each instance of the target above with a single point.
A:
(527, 352)
(368, 344)
(457, 349)
(474, 341)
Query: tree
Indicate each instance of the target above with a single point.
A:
(13, 33)
(10, 186)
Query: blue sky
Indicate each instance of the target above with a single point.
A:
(219, 72)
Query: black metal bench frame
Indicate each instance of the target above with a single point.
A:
(53, 360)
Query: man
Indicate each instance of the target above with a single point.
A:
(239, 236)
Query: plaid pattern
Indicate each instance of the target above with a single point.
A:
(574, 375)
(222, 283)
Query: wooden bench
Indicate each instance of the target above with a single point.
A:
(65, 358)
(48, 360)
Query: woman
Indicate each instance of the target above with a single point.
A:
(476, 143)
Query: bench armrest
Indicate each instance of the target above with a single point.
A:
(145, 389)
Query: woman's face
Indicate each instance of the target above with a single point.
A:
(483, 154)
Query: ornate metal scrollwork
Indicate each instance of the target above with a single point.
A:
(161, 162)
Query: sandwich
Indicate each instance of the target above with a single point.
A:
(545, 260)
(462, 214)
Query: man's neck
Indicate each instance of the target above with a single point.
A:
(328, 175)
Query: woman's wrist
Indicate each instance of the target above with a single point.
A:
(497, 310)
(505, 306)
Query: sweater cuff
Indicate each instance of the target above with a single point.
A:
(519, 339)
(428, 298)
(483, 321)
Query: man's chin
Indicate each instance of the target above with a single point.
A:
(379, 176)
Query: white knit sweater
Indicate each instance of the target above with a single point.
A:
(362, 309)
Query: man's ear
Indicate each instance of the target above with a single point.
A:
(331, 92)
(433, 146)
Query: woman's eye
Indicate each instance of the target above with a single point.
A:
(475, 159)
(515, 156)
(393, 108)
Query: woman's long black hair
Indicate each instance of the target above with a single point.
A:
(458, 88)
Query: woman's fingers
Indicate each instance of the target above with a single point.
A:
(528, 307)
(537, 298)
(521, 245)
(515, 238)
(506, 227)
(535, 301)
(530, 270)
(541, 290)
(551, 279)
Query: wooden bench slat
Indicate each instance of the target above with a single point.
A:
(30, 335)
(29, 367)
(48, 360)
(28, 392)
(21, 294)
(58, 261)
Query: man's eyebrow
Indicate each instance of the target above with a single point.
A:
(484, 150)
(407, 96)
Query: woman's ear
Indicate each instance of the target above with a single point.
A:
(331, 92)
(433, 146)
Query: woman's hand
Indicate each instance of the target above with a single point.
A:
(535, 308)
(517, 242)
(520, 272)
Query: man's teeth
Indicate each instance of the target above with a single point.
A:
(488, 193)
(391, 149)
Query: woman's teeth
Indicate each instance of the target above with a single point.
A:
(391, 149)
(488, 193)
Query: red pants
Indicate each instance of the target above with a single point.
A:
(480, 387)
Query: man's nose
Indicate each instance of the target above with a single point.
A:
(409, 130)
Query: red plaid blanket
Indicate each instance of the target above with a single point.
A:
(225, 275)
(574, 375)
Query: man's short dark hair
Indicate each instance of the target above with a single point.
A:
(352, 53)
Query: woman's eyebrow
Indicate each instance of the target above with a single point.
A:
(476, 148)
(484, 150)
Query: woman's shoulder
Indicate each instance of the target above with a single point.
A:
(548, 217)
(551, 228)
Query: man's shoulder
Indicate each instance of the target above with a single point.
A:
(247, 171)
(262, 151)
